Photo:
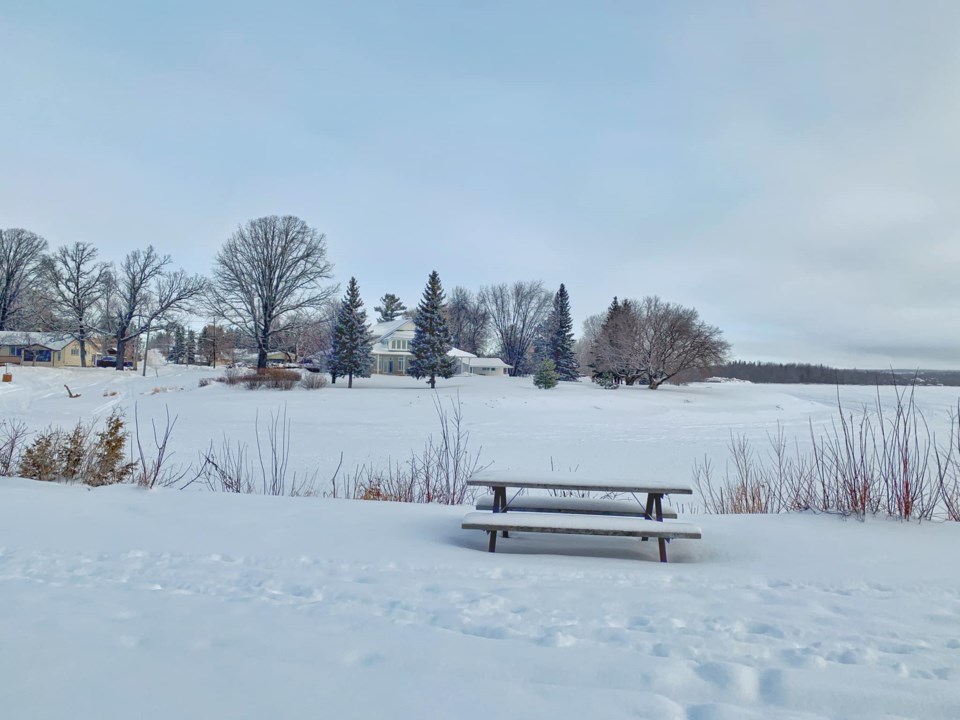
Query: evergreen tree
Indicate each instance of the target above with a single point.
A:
(203, 345)
(178, 353)
(390, 308)
(560, 337)
(352, 342)
(190, 352)
(431, 339)
(546, 376)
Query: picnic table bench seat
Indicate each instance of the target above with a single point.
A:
(580, 525)
(585, 506)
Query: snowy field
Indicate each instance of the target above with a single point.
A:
(122, 603)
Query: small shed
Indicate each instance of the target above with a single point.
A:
(486, 366)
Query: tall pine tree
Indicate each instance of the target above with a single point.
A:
(352, 341)
(179, 351)
(190, 351)
(390, 308)
(560, 341)
(431, 339)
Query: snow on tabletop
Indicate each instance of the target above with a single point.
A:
(575, 481)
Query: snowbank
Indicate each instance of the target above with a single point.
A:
(121, 603)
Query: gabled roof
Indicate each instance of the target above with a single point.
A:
(488, 363)
(457, 352)
(52, 341)
(381, 331)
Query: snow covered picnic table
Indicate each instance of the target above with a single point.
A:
(578, 515)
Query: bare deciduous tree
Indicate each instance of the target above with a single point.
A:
(583, 347)
(652, 340)
(74, 283)
(20, 255)
(516, 312)
(468, 321)
(267, 276)
(143, 293)
(308, 331)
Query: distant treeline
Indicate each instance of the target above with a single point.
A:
(762, 372)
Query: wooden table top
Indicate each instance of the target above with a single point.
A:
(569, 481)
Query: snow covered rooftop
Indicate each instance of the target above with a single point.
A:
(381, 330)
(488, 362)
(53, 341)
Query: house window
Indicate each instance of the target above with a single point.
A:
(74, 351)
(59, 356)
(36, 355)
(400, 363)
(399, 344)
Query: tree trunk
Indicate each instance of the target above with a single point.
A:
(432, 382)
(261, 359)
(349, 380)
(83, 352)
(121, 349)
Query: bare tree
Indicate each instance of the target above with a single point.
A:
(308, 331)
(583, 347)
(468, 321)
(74, 283)
(652, 340)
(143, 293)
(267, 275)
(516, 312)
(676, 339)
(20, 255)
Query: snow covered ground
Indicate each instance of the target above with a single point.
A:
(123, 603)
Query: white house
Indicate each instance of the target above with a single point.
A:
(391, 347)
(486, 366)
(391, 352)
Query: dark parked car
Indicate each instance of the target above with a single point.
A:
(111, 361)
(312, 364)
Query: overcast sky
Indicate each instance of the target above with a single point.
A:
(792, 170)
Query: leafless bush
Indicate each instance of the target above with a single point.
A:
(272, 378)
(153, 469)
(13, 434)
(313, 381)
(867, 463)
(228, 469)
(204, 382)
(948, 469)
(236, 375)
(438, 473)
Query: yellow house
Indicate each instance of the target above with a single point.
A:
(36, 349)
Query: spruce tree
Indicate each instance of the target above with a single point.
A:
(352, 341)
(431, 339)
(190, 352)
(178, 352)
(390, 308)
(560, 340)
(546, 376)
